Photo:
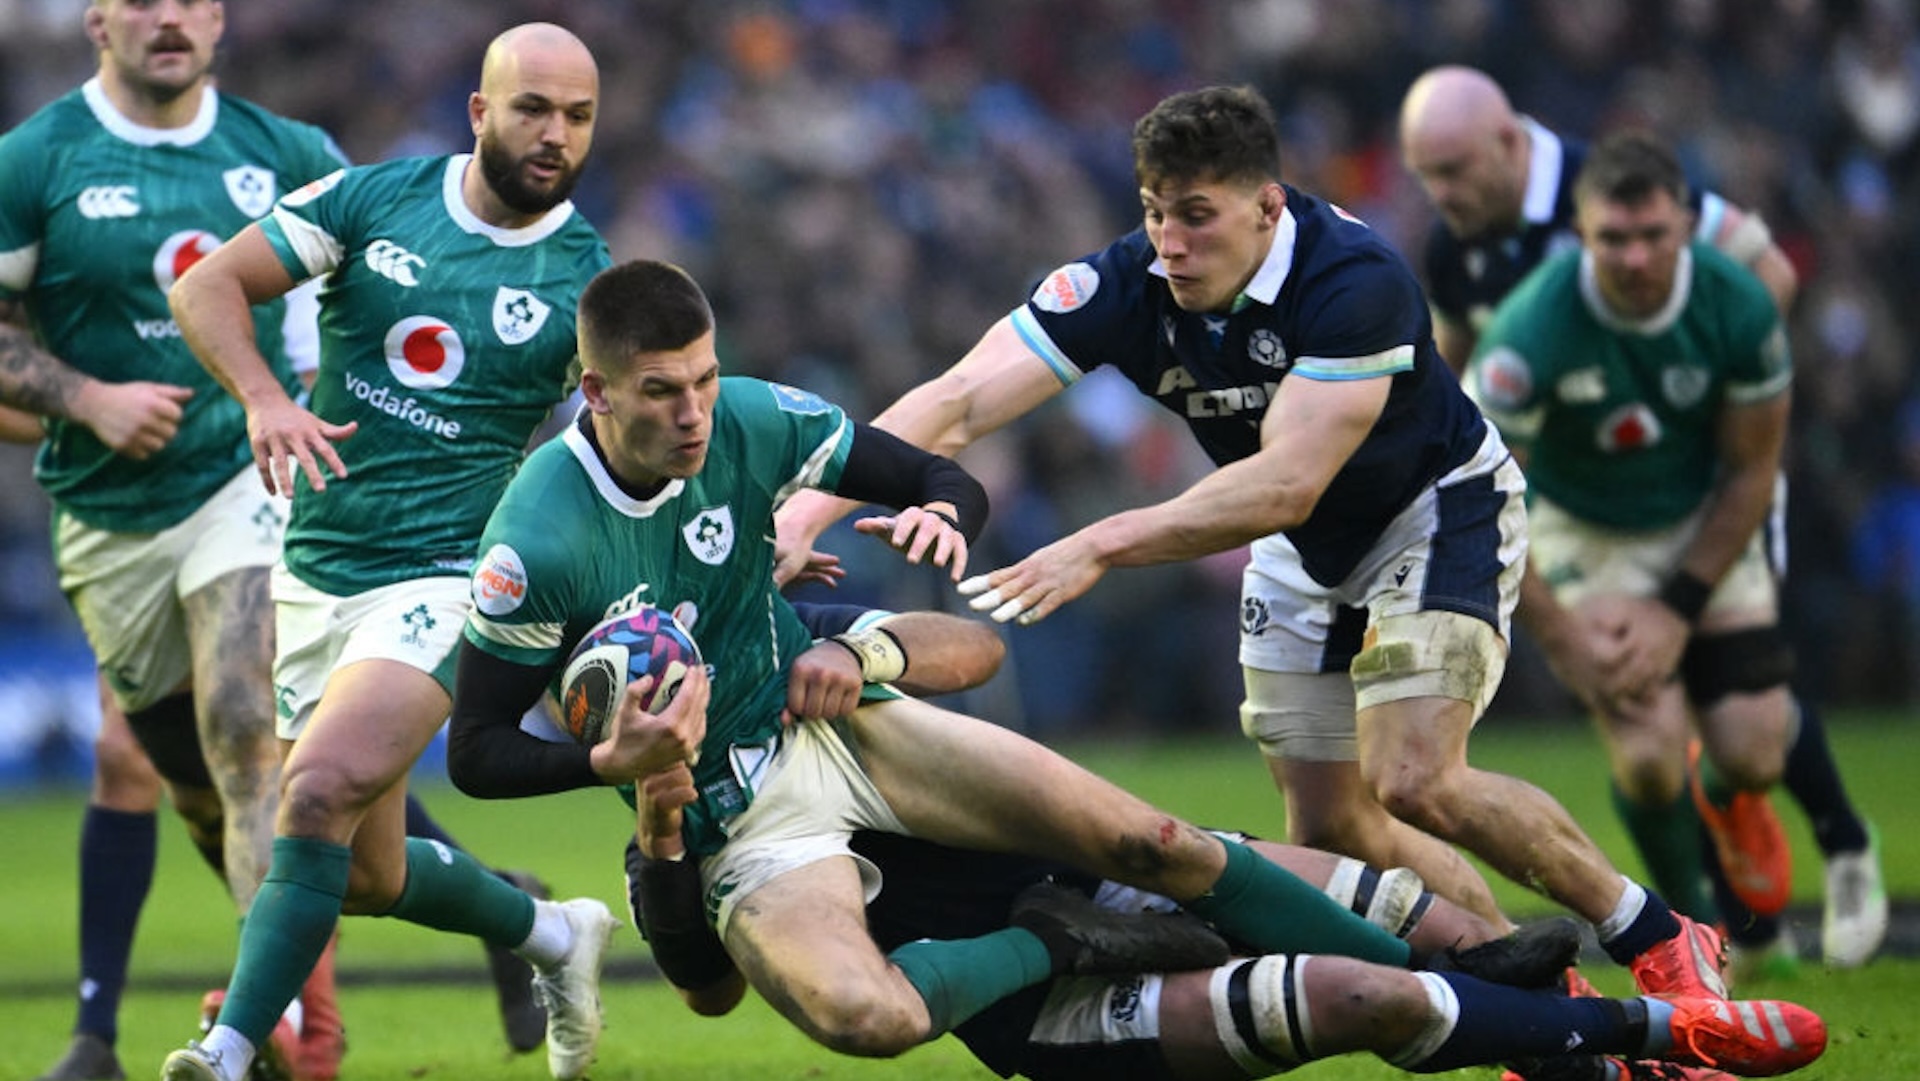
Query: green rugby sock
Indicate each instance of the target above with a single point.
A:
(961, 977)
(1668, 839)
(284, 933)
(449, 890)
(1273, 910)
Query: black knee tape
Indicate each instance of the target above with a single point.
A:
(167, 732)
(1717, 665)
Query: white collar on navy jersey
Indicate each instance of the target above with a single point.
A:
(1273, 270)
(121, 127)
(1548, 158)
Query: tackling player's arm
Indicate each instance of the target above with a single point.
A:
(998, 381)
(133, 419)
(1310, 431)
(213, 303)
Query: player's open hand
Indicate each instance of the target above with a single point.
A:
(136, 420)
(928, 533)
(1036, 587)
(799, 567)
(825, 682)
(283, 434)
(645, 743)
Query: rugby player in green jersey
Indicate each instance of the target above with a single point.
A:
(446, 334)
(162, 542)
(1644, 380)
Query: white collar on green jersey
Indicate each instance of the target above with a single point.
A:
(1652, 325)
(609, 489)
(463, 216)
(117, 123)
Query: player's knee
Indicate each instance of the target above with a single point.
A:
(319, 797)
(123, 777)
(866, 1025)
(1415, 790)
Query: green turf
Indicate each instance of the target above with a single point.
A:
(449, 1030)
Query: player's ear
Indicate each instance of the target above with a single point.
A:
(593, 389)
(95, 23)
(1273, 199)
(476, 111)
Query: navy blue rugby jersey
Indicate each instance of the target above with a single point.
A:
(1467, 279)
(1333, 301)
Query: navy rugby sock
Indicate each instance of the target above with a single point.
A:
(117, 853)
(1497, 1023)
(1814, 780)
(1668, 840)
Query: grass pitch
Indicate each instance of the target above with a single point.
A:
(417, 1004)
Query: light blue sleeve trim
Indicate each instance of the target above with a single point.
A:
(1713, 211)
(1346, 369)
(1036, 339)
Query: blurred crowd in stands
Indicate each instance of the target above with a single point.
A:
(865, 185)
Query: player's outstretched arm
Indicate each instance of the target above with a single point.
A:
(998, 381)
(1309, 432)
(213, 303)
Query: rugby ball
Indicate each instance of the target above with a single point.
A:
(644, 642)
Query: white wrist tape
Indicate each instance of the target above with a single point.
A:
(881, 658)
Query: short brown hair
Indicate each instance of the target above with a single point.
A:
(1216, 133)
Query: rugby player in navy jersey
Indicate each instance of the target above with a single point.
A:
(1503, 187)
(1384, 514)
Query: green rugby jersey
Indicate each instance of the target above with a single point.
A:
(98, 217)
(567, 549)
(1620, 417)
(446, 339)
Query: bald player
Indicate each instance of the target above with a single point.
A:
(1503, 186)
(447, 331)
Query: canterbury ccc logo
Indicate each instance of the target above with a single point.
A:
(178, 253)
(425, 353)
(390, 260)
(109, 201)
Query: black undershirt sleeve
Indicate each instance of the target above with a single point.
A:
(666, 898)
(488, 756)
(883, 468)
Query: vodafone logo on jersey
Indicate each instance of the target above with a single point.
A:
(425, 353)
(178, 253)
